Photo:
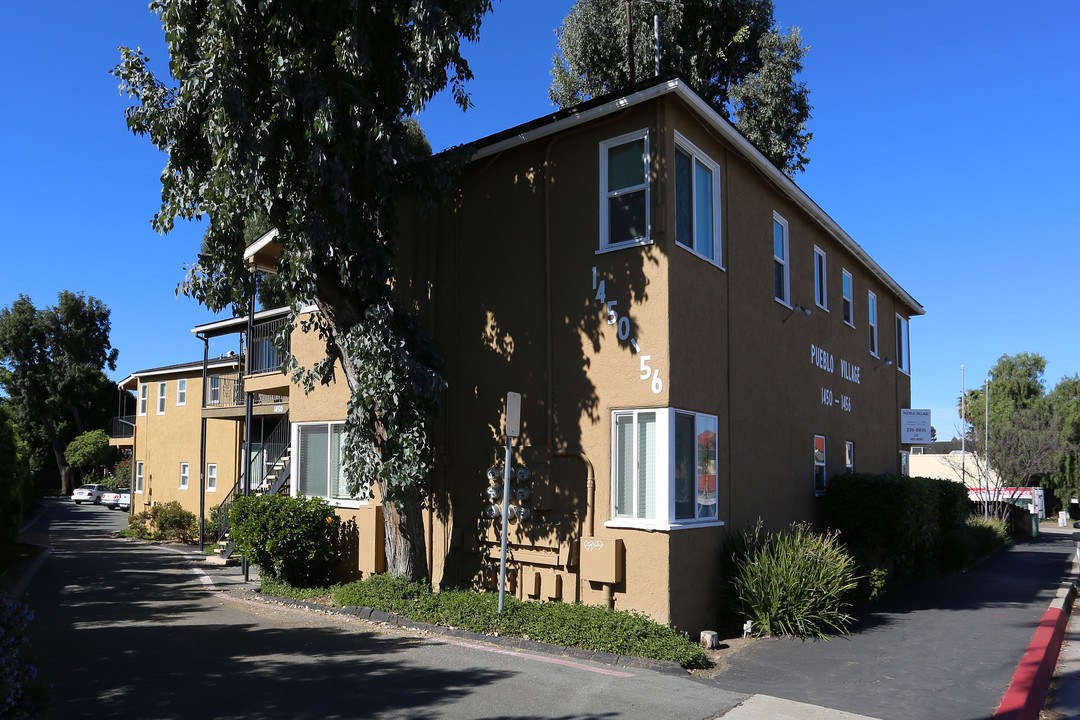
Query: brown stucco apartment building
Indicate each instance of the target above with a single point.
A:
(698, 345)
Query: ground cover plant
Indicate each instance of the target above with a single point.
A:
(586, 627)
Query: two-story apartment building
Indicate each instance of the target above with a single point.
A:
(166, 434)
(697, 343)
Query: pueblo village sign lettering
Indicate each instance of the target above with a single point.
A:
(825, 360)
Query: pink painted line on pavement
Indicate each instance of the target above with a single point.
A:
(530, 656)
(1027, 691)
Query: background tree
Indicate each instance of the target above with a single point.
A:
(296, 111)
(1064, 478)
(55, 379)
(14, 480)
(89, 451)
(1027, 438)
(731, 51)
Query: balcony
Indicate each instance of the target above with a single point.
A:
(123, 431)
(225, 398)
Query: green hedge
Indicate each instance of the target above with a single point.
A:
(291, 539)
(896, 521)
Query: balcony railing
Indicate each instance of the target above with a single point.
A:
(227, 391)
(264, 355)
(123, 427)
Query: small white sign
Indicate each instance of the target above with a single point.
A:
(915, 426)
(513, 414)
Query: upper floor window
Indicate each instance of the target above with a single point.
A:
(213, 395)
(821, 293)
(162, 390)
(624, 182)
(697, 201)
(181, 391)
(781, 267)
(871, 306)
(664, 469)
(903, 354)
(849, 316)
(144, 395)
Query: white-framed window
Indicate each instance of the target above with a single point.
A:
(821, 286)
(184, 475)
(624, 191)
(697, 201)
(849, 456)
(781, 265)
(871, 308)
(903, 351)
(819, 464)
(319, 465)
(849, 313)
(211, 477)
(144, 396)
(181, 391)
(664, 469)
(162, 391)
(213, 396)
(138, 476)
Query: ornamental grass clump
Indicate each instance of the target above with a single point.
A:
(796, 582)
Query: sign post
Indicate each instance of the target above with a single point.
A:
(513, 430)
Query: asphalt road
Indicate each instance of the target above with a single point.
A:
(127, 630)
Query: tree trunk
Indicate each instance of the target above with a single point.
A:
(67, 473)
(406, 550)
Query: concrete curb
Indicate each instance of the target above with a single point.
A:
(1031, 682)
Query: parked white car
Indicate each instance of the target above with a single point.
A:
(119, 499)
(88, 493)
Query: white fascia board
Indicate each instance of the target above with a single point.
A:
(728, 131)
(236, 324)
(254, 248)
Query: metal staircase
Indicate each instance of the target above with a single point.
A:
(271, 469)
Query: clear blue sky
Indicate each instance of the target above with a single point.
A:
(945, 138)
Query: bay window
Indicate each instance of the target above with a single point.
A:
(664, 468)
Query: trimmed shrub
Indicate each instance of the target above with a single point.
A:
(796, 582)
(896, 521)
(168, 521)
(290, 539)
(565, 624)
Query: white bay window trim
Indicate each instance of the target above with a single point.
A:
(643, 483)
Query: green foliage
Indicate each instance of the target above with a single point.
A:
(54, 360)
(290, 539)
(15, 486)
(564, 624)
(730, 51)
(978, 538)
(23, 695)
(89, 450)
(896, 521)
(795, 582)
(165, 521)
(295, 111)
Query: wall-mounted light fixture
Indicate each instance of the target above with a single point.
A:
(801, 308)
(888, 362)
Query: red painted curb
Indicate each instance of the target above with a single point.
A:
(1031, 681)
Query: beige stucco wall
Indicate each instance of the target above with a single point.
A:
(164, 441)
(503, 277)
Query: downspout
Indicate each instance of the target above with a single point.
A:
(248, 402)
(202, 444)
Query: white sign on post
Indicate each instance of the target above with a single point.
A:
(915, 426)
(513, 414)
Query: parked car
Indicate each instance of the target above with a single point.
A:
(88, 493)
(119, 499)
